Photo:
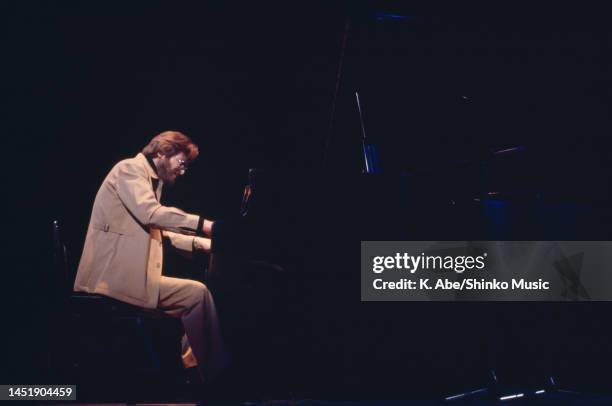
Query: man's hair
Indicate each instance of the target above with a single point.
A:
(170, 143)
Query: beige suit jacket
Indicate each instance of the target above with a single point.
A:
(122, 256)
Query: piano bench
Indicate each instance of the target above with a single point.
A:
(108, 334)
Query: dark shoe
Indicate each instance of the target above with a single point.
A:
(193, 376)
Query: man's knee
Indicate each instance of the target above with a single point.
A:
(198, 293)
(178, 296)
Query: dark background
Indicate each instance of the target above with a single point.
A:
(87, 84)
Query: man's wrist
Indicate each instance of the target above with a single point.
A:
(207, 227)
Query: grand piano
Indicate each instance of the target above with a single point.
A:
(461, 156)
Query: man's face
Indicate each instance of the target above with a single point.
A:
(171, 168)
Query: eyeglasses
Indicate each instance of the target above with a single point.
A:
(182, 165)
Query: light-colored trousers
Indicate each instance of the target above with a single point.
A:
(202, 344)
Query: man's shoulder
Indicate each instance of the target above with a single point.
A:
(133, 164)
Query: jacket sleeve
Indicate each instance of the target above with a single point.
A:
(179, 241)
(136, 193)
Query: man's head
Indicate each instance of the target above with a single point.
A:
(171, 152)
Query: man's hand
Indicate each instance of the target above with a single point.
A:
(207, 227)
(201, 244)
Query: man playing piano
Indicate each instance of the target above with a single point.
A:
(122, 256)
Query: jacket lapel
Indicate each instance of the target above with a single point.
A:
(156, 183)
